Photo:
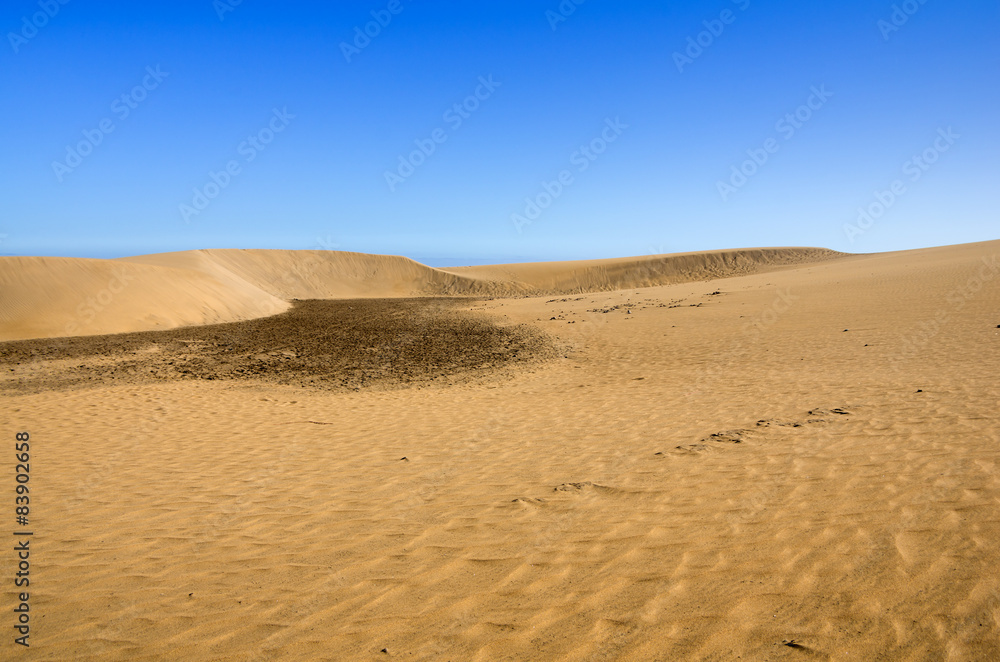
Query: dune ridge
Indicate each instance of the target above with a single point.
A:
(48, 297)
(581, 276)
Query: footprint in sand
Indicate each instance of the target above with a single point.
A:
(772, 422)
(573, 487)
(729, 436)
(842, 411)
(689, 449)
(580, 488)
(714, 442)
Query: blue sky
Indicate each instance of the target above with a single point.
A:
(603, 129)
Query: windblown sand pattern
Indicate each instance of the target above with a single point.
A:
(782, 461)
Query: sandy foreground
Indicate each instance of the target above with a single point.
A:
(791, 462)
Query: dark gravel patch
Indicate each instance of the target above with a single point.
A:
(339, 345)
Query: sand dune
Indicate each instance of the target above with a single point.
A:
(581, 276)
(45, 297)
(342, 275)
(796, 464)
(51, 297)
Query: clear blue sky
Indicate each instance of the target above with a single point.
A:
(345, 116)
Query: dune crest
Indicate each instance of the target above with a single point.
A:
(47, 297)
(579, 276)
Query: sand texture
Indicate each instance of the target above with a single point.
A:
(783, 454)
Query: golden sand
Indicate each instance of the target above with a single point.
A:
(743, 455)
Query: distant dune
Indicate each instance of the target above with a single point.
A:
(44, 297)
(575, 277)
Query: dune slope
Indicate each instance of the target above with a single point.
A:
(52, 297)
(45, 297)
(580, 276)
